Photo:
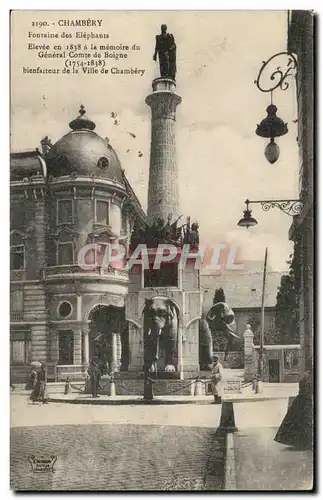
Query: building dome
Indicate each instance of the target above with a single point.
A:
(83, 152)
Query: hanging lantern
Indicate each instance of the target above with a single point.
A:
(270, 127)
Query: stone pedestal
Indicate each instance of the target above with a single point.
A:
(250, 368)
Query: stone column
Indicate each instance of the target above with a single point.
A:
(119, 349)
(163, 174)
(114, 360)
(249, 358)
(86, 347)
(77, 353)
(180, 352)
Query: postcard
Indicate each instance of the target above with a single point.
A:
(161, 250)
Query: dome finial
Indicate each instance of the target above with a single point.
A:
(82, 122)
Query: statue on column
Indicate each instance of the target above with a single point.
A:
(166, 50)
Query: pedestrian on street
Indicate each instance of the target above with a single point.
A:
(11, 384)
(35, 395)
(217, 380)
(255, 382)
(32, 379)
(43, 395)
(95, 375)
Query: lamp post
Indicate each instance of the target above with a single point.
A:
(272, 126)
(262, 328)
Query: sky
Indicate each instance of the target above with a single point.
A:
(220, 159)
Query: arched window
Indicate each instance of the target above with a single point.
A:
(17, 252)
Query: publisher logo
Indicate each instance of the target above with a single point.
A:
(42, 464)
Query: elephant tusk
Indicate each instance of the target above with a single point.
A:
(149, 332)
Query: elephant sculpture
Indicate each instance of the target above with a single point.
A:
(221, 320)
(160, 331)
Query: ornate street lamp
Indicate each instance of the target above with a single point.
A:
(289, 207)
(272, 126)
(247, 220)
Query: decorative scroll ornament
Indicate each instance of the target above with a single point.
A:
(289, 207)
(271, 77)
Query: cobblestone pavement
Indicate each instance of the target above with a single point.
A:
(117, 448)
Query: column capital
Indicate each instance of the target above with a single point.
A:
(85, 327)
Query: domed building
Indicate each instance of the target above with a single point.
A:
(67, 307)
(69, 302)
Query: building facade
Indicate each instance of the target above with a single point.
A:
(301, 43)
(72, 194)
(67, 203)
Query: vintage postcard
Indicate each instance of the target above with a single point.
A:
(161, 250)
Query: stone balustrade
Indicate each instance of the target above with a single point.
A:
(75, 270)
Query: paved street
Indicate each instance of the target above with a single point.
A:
(162, 447)
(24, 414)
(117, 448)
(263, 464)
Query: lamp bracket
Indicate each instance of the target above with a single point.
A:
(289, 207)
(276, 76)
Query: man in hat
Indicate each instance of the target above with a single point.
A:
(95, 375)
(43, 395)
(217, 380)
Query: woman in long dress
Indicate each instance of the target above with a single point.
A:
(217, 380)
(31, 380)
(34, 396)
(297, 427)
(40, 391)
